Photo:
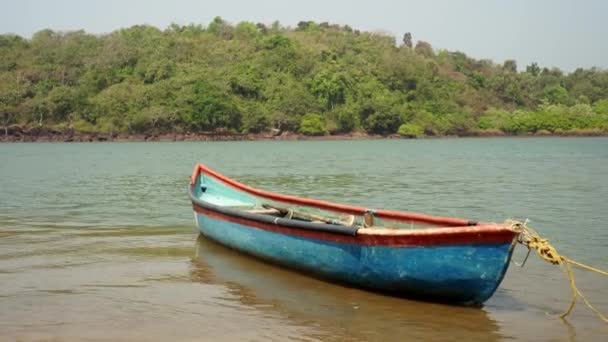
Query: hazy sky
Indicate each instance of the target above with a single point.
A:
(562, 33)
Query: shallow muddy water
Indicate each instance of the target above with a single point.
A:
(97, 240)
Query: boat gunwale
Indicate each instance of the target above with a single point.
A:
(478, 232)
(401, 216)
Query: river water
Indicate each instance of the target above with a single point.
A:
(97, 240)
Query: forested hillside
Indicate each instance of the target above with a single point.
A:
(314, 79)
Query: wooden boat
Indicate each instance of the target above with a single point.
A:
(414, 255)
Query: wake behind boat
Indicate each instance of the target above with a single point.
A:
(412, 254)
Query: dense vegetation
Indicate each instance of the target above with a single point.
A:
(314, 79)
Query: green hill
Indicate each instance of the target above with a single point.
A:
(315, 79)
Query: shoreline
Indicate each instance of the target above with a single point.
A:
(36, 136)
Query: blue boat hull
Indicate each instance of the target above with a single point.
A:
(463, 273)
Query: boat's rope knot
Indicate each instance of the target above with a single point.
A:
(531, 239)
(528, 237)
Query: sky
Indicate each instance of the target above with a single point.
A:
(554, 33)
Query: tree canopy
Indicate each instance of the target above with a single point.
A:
(249, 77)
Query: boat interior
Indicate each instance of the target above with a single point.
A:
(223, 192)
(293, 214)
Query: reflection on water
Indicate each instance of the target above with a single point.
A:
(336, 312)
(97, 241)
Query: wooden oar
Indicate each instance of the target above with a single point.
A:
(309, 217)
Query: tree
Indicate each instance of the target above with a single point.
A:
(255, 118)
(61, 102)
(383, 122)
(287, 100)
(246, 81)
(307, 25)
(246, 31)
(533, 69)
(556, 94)
(410, 130)
(510, 66)
(312, 124)
(346, 118)
(150, 119)
(154, 70)
(330, 87)
(212, 110)
(407, 40)
(425, 49)
(249, 78)
(13, 89)
(279, 53)
(601, 107)
(221, 28)
(120, 101)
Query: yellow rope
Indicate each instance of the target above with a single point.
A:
(531, 239)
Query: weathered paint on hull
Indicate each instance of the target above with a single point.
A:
(467, 273)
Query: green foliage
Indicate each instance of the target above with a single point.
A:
(61, 102)
(346, 118)
(478, 80)
(13, 89)
(461, 123)
(252, 77)
(108, 125)
(493, 118)
(407, 40)
(255, 118)
(411, 130)
(151, 119)
(155, 71)
(330, 87)
(220, 28)
(288, 100)
(211, 110)
(246, 31)
(307, 26)
(556, 94)
(601, 107)
(383, 122)
(533, 69)
(82, 126)
(278, 42)
(424, 49)
(550, 118)
(312, 124)
(120, 100)
(510, 65)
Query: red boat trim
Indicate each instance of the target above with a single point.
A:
(401, 216)
(486, 234)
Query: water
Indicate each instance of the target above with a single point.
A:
(97, 241)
